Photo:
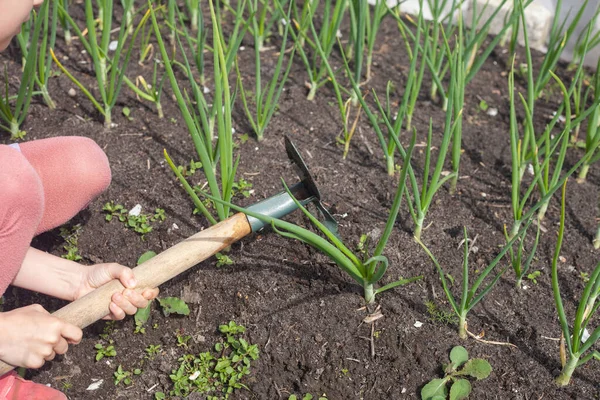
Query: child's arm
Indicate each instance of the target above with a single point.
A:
(68, 280)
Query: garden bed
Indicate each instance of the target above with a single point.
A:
(305, 315)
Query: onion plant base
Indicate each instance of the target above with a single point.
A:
(565, 375)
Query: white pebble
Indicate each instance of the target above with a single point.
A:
(95, 385)
(72, 92)
(112, 46)
(492, 112)
(418, 324)
(136, 211)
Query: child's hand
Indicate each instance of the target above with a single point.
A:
(127, 302)
(31, 336)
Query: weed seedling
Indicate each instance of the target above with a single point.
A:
(182, 339)
(71, 237)
(460, 365)
(219, 372)
(109, 328)
(173, 305)
(126, 377)
(101, 351)
(533, 276)
(438, 315)
(307, 396)
(141, 223)
(223, 260)
(152, 351)
(66, 385)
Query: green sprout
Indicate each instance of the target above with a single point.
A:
(12, 117)
(217, 373)
(460, 366)
(109, 71)
(101, 351)
(576, 343)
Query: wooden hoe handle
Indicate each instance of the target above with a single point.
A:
(154, 272)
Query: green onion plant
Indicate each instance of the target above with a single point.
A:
(560, 35)
(64, 23)
(43, 70)
(544, 152)
(152, 91)
(419, 199)
(373, 23)
(578, 342)
(593, 128)
(220, 157)
(367, 271)
(470, 294)
(109, 71)
(266, 98)
(12, 114)
(389, 138)
(519, 259)
(332, 15)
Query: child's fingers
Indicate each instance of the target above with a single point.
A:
(150, 294)
(124, 304)
(136, 299)
(124, 274)
(116, 312)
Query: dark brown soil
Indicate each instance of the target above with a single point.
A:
(304, 312)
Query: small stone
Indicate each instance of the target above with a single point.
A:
(418, 324)
(95, 385)
(492, 111)
(136, 211)
(112, 46)
(562, 259)
(72, 92)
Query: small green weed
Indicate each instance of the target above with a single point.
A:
(173, 305)
(66, 385)
(109, 328)
(242, 188)
(124, 376)
(478, 368)
(307, 396)
(440, 316)
(71, 237)
(141, 223)
(101, 351)
(223, 260)
(483, 105)
(218, 373)
(191, 169)
(533, 276)
(152, 351)
(182, 338)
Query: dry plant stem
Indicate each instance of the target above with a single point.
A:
(479, 339)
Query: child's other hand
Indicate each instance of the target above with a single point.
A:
(128, 301)
(31, 336)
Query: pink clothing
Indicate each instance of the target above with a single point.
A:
(43, 185)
